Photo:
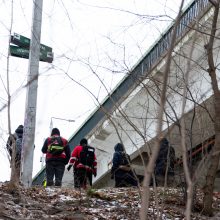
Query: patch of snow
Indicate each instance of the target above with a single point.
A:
(66, 198)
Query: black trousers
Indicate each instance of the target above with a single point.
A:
(126, 179)
(81, 177)
(54, 169)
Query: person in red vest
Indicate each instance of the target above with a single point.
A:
(83, 160)
(57, 152)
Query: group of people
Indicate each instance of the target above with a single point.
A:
(58, 155)
(84, 163)
(124, 175)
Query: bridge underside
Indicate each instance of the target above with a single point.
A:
(130, 114)
(134, 121)
(199, 139)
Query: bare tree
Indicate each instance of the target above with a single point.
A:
(15, 170)
(122, 117)
(215, 154)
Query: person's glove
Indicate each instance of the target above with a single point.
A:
(94, 174)
(69, 167)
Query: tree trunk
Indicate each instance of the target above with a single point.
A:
(15, 166)
(215, 156)
(215, 153)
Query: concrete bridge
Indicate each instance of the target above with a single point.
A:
(129, 114)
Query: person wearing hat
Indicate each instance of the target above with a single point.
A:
(18, 134)
(57, 152)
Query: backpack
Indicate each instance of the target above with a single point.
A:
(124, 163)
(125, 159)
(56, 145)
(87, 155)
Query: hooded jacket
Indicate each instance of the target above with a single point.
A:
(18, 134)
(19, 131)
(118, 159)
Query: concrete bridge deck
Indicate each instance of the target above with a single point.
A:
(129, 113)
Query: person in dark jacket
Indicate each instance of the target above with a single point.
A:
(57, 152)
(18, 134)
(121, 170)
(16, 138)
(165, 162)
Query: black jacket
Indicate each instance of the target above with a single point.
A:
(18, 134)
(119, 158)
(163, 160)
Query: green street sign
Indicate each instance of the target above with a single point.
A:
(24, 53)
(19, 52)
(46, 56)
(24, 42)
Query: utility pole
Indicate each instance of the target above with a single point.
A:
(31, 97)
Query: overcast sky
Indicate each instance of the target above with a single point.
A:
(94, 42)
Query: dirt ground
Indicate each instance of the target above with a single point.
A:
(110, 203)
